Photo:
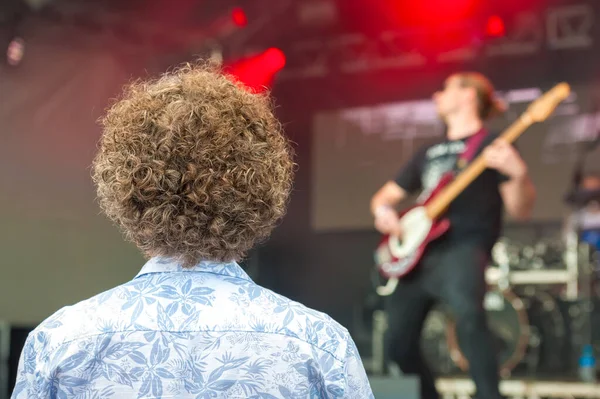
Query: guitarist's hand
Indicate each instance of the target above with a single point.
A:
(386, 221)
(503, 157)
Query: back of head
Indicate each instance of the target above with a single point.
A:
(488, 105)
(193, 166)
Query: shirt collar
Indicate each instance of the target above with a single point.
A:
(167, 265)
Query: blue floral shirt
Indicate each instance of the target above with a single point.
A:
(204, 332)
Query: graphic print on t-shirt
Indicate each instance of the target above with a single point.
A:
(439, 159)
(476, 213)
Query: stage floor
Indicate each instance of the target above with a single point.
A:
(459, 388)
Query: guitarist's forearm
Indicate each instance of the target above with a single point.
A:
(519, 197)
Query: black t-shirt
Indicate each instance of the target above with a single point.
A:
(476, 213)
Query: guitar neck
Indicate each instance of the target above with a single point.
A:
(441, 201)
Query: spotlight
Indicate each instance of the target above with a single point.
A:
(15, 51)
(238, 16)
(495, 26)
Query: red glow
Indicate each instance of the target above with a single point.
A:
(433, 12)
(495, 26)
(274, 59)
(257, 71)
(238, 17)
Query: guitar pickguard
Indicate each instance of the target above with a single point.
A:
(401, 265)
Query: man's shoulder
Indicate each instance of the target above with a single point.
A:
(244, 306)
(312, 314)
(312, 326)
(72, 322)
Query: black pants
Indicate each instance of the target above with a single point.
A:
(452, 273)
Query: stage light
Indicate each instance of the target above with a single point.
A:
(274, 59)
(258, 70)
(15, 51)
(495, 26)
(238, 17)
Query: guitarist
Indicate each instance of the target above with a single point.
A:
(452, 270)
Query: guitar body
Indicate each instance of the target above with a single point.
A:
(396, 258)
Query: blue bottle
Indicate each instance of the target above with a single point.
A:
(587, 364)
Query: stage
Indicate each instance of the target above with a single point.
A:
(462, 388)
(459, 388)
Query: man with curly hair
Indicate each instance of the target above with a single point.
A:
(195, 170)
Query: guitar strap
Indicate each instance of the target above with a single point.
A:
(472, 145)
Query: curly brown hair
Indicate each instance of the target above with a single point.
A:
(193, 166)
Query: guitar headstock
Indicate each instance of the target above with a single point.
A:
(542, 108)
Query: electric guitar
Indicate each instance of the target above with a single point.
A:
(425, 222)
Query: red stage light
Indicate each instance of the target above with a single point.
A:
(274, 59)
(495, 26)
(257, 71)
(239, 17)
(432, 12)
